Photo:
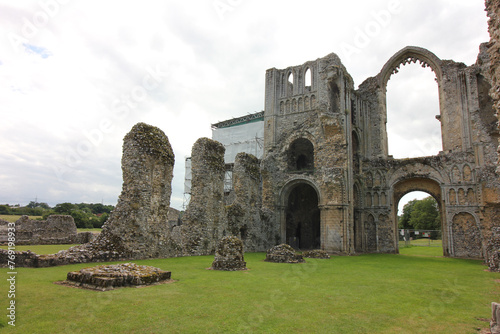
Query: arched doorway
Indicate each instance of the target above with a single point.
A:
(302, 216)
(430, 187)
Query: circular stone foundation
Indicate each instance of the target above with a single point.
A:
(108, 277)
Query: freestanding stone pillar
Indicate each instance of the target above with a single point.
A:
(204, 222)
(137, 228)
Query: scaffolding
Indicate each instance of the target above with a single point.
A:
(242, 134)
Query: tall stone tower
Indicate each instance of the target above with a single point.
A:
(307, 162)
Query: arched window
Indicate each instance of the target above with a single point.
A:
(289, 84)
(334, 97)
(301, 155)
(412, 107)
(308, 78)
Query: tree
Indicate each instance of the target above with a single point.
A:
(4, 209)
(64, 208)
(404, 219)
(425, 215)
(420, 215)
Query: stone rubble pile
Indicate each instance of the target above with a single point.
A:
(315, 254)
(229, 255)
(283, 254)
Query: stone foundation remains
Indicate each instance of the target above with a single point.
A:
(108, 277)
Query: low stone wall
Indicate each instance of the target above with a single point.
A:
(84, 237)
(57, 229)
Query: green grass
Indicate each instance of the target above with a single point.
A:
(40, 249)
(376, 293)
(421, 251)
(13, 218)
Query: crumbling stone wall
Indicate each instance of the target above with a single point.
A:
(57, 229)
(493, 10)
(137, 227)
(204, 222)
(358, 184)
(245, 217)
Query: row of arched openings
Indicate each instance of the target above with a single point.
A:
(288, 82)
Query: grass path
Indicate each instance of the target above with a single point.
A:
(376, 293)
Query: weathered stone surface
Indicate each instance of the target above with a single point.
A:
(495, 318)
(327, 173)
(204, 223)
(493, 10)
(137, 228)
(493, 250)
(108, 277)
(57, 229)
(229, 255)
(84, 237)
(316, 254)
(245, 216)
(283, 254)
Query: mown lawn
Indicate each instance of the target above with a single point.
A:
(13, 218)
(40, 249)
(377, 293)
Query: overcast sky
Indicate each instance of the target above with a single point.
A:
(76, 75)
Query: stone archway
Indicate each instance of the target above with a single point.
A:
(429, 186)
(300, 215)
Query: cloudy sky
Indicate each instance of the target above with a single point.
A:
(76, 75)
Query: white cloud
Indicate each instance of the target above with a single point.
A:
(89, 56)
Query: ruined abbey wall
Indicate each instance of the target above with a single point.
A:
(56, 229)
(326, 180)
(493, 10)
(342, 138)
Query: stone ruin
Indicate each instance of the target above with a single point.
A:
(316, 254)
(56, 229)
(493, 250)
(108, 277)
(283, 254)
(138, 228)
(229, 255)
(326, 178)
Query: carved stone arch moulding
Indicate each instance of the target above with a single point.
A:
(295, 181)
(410, 54)
(298, 135)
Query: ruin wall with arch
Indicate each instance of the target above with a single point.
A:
(323, 135)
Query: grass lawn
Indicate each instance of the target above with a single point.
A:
(376, 293)
(40, 249)
(13, 218)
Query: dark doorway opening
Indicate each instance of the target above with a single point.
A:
(301, 155)
(303, 218)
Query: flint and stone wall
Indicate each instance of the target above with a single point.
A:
(57, 229)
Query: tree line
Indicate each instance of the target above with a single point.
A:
(86, 215)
